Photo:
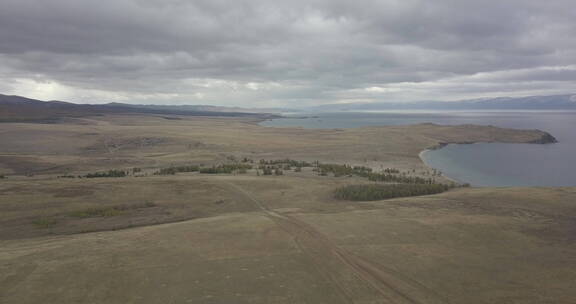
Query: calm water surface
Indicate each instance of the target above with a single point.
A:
(477, 164)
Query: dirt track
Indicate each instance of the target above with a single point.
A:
(336, 264)
(266, 239)
(274, 241)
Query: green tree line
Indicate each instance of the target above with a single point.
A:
(374, 192)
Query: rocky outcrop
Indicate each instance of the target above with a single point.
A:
(546, 138)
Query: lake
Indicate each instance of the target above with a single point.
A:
(483, 164)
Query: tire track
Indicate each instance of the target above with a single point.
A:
(355, 278)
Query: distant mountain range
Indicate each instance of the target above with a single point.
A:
(22, 109)
(554, 102)
(200, 108)
(17, 108)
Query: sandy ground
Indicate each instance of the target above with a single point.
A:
(195, 238)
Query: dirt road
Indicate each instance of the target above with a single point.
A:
(353, 277)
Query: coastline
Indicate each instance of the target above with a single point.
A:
(421, 157)
(545, 138)
(495, 136)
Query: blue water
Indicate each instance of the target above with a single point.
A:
(494, 165)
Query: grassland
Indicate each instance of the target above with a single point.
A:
(190, 237)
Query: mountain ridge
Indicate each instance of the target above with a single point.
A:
(21, 109)
(544, 102)
(15, 108)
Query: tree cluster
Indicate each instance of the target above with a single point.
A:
(374, 192)
(388, 175)
(392, 178)
(342, 170)
(286, 162)
(226, 169)
(178, 169)
(109, 173)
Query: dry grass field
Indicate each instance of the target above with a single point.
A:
(115, 141)
(244, 238)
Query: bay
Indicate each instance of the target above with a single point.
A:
(482, 164)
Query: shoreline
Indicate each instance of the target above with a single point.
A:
(211, 139)
(420, 156)
(545, 138)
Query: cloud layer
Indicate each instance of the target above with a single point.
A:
(285, 53)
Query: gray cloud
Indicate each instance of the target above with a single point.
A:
(289, 53)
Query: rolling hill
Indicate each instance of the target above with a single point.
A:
(22, 109)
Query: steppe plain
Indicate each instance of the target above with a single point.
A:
(245, 238)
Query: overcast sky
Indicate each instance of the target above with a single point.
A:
(285, 53)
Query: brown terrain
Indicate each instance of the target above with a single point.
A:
(247, 238)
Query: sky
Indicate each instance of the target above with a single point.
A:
(297, 53)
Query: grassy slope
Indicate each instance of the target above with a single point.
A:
(266, 239)
(124, 141)
(469, 246)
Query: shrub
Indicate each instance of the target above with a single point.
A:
(267, 171)
(110, 210)
(97, 212)
(45, 222)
